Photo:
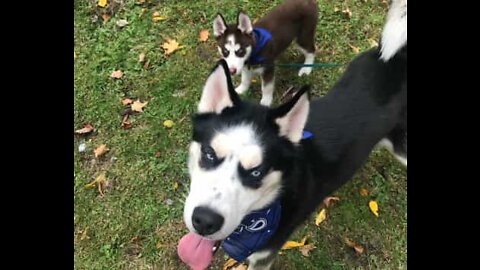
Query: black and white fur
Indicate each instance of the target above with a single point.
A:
(291, 20)
(244, 155)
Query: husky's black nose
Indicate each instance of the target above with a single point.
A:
(206, 221)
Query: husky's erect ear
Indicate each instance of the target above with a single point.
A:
(219, 25)
(291, 117)
(218, 92)
(243, 23)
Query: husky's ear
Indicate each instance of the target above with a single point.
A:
(292, 116)
(219, 25)
(243, 23)
(218, 92)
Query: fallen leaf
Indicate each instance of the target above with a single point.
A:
(203, 35)
(170, 46)
(354, 49)
(86, 129)
(100, 181)
(351, 244)
(363, 192)
(168, 123)
(373, 207)
(305, 250)
(102, 3)
(74, 55)
(373, 43)
(229, 263)
(145, 66)
(141, 57)
(329, 199)
(117, 74)
(156, 17)
(84, 235)
(137, 106)
(121, 23)
(322, 215)
(125, 124)
(175, 186)
(141, 1)
(157, 154)
(336, 9)
(294, 244)
(105, 17)
(126, 101)
(159, 245)
(142, 12)
(102, 149)
(347, 12)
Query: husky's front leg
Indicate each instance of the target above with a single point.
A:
(261, 260)
(268, 86)
(246, 80)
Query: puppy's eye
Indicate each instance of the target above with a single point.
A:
(208, 159)
(240, 52)
(225, 52)
(256, 173)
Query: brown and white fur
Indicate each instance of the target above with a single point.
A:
(293, 19)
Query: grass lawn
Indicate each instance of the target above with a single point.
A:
(137, 222)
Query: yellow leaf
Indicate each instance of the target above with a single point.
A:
(137, 106)
(175, 186)
(322, 215)
(294, 244)
(229, 263)
(170, 46)
(141, 57)
(156, 17)
(74, 55)
(354, 49)
(373, 207)
(101, 179)
(363, 192)
(168, 123)
(117, 74)
(159, 245)
(203, 35)
(127, 101)
(102, 3)
(100, 150)
(305, 250)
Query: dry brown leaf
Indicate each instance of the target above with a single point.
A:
(294, 244)
(101, 182)
(229, 263)
(203, 35)
(363, 192)
(84, 235)
(328, 200)
(354, 49)
(141, 57)
(127, 101)
(86, 129)
(170, 46)
(358, 249)
(125, 123)
(322, 215)
(137, 106)
(117, 74)
(145, 66)
(157, 154)
(105, 17)
(102, 149)
(305, 250)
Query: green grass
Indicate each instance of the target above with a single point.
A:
(132, 226)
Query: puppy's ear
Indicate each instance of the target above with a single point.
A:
(243, 23)
(219, 25)
(218, 92)
(291, 117)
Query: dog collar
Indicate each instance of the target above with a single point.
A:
(262, 36)
(253, 232)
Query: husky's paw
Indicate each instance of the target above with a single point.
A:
(241, 89)
(304, 71)
(266, 100)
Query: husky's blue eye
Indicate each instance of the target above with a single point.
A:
(256, 173)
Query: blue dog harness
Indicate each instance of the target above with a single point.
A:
(253, 232)
(262, 36)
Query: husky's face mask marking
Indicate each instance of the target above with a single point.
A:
(237, 157)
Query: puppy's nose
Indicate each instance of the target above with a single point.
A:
(233, 71)
(206, 221)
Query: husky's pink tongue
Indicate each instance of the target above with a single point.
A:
(195, 251)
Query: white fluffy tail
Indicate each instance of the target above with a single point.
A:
(394, 35)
